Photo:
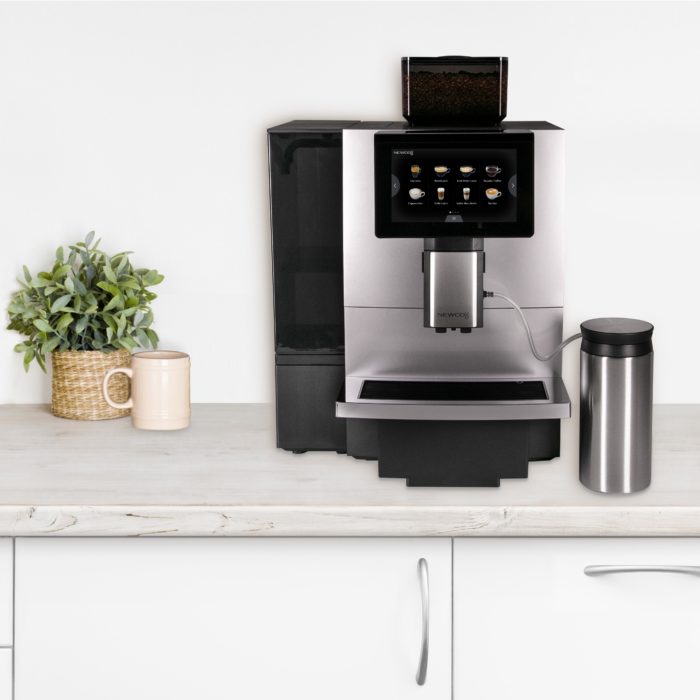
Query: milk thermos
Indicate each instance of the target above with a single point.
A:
(616, 404)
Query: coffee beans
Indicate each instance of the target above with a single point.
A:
(454, 96)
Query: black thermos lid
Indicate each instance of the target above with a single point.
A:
(616, 337)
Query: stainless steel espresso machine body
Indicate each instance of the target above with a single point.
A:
(440, 385)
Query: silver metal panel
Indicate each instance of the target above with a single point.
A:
(454, 291)
(616, 412)
(387, 272)
(394, 342)
(531, 270)
(377, 272)
(557, 405)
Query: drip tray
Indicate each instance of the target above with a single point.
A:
(434, 398)
(453, 391)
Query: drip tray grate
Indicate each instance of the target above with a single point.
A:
(453, 391)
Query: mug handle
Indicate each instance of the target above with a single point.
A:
(105, 392)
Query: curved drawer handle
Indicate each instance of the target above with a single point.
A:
(425, 607)
(602, 570)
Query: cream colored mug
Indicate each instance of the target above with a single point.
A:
(160, 390)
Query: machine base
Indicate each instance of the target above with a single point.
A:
(454, 453)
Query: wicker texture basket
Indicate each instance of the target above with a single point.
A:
(76, 387)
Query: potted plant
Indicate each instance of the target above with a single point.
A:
(88, 313)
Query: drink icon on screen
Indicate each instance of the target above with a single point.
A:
(466, 193)
(493, 193)
(416, 193)
(415, 170)
(492, 170)
(466, 170)
(441, 193)
(441, 170)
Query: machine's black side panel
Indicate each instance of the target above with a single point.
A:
(306, 396)
(306, 190)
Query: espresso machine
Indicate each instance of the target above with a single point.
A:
(399, 253)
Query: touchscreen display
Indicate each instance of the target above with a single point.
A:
(470, 185)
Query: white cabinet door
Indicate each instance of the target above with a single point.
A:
(529, 623)
(5, 674)
(212, 618)
(5, 592)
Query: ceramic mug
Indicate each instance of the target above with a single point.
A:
(160, 390)
(416, 193)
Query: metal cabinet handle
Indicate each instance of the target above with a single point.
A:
(425, 607)
(601, 570)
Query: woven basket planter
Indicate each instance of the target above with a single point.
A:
(76, 387)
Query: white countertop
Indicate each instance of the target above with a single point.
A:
(224, 476)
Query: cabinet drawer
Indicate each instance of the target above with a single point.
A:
(6, 582)
(531, 621)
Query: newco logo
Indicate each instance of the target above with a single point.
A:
(453, 314)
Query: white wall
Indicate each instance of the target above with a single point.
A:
(147, 123)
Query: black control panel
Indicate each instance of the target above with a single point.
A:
(431, 184)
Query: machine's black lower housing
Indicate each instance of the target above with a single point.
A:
(306, 396)
(454, 453)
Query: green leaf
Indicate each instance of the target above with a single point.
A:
(64, 321)
(43, 325)
(130, 284)
(50, 345)
(60, 303)
(20, 347)
(28, 357)
(152, 337)
(152, 278)
(80, 325)
(89, 238)
(113, 303)
(109, 274)
(142, 338)
(27, 274)
(79, 287)
(70, 287)
(121, 325)
(59, 253)
(60, 272)
(42, 362)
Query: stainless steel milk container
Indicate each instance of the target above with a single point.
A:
(616, 405)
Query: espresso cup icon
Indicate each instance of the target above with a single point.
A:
(415, 170)
(492, 170)
(493, 193)
(416, 193)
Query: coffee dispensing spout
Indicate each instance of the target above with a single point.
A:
(453, 283)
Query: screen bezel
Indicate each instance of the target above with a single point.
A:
(522, 227)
